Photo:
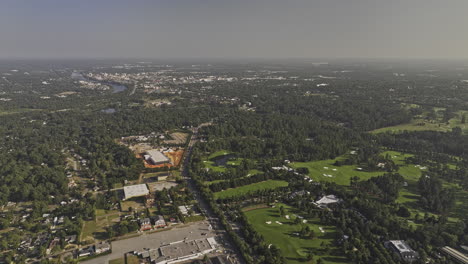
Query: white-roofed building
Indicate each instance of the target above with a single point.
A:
(399, 246)
(135, 191)
(180, 251)
(327, 200)
(156, 157)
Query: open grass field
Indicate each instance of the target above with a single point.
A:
(434, 125)
(136, 204)
(239, 191)
(324, 170)
(293, 247)
(92, 230)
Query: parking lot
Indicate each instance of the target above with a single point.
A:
(155, 240)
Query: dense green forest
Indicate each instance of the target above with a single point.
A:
(265, 116)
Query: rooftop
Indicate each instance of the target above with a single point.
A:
(157, 156)
(401, 246)
(329, 199)
(182, 250)
(135, 191)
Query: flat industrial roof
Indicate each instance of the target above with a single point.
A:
(135, 190)
(157, 156)
(179, 250)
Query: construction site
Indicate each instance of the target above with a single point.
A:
(158, 150)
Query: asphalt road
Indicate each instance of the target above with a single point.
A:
(193, 231)
(204, 206)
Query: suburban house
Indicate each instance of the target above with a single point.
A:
(159, 221)
(145, 224)
(102, 247)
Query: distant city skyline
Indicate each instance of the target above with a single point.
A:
(234, 29)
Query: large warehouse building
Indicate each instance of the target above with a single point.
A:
(135, 191)
(156, 157)
(180, 251)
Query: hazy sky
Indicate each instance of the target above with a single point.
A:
(234, 28)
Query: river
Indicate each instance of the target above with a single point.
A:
(116, 87)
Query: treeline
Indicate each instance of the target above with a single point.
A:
(279, 136)
(452, 143)
(434, 197)
(387, 187)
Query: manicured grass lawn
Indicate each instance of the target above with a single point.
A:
(411, 172)
(235, 162)
(339, 174)
(460, 210)
(219, 153)
(251, 173)
(265, 185)
(211, 165)
(284, 236)
(409, 196)
(342, 174)
(435, 125)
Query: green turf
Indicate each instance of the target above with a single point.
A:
(239, 191)
(342, 174)
(293, 247)
(219, 153)
(211, 165)
(435, 125)
(251, 173)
